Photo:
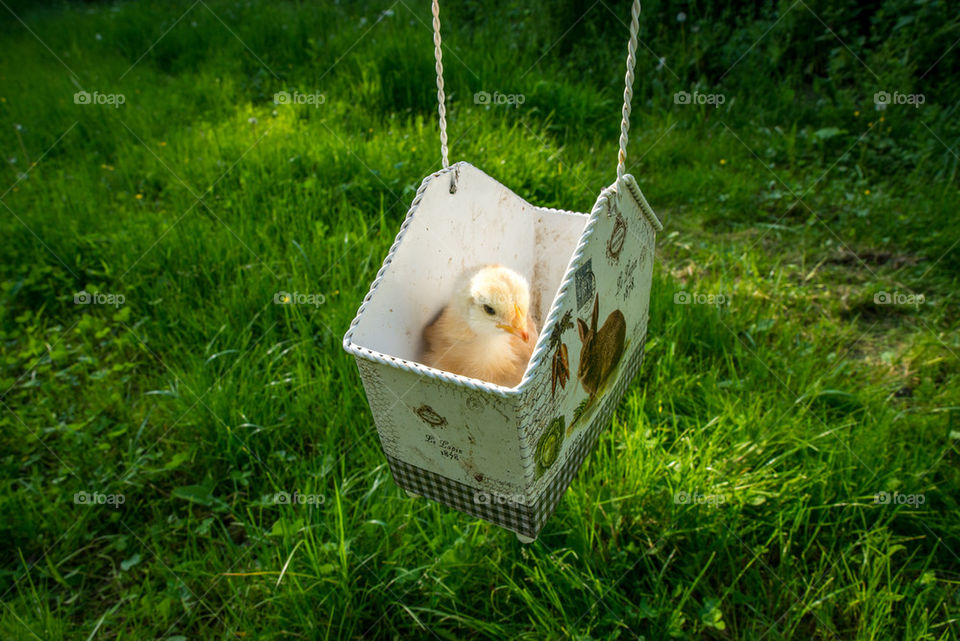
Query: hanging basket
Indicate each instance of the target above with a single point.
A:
(506, 455)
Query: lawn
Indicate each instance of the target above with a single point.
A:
(786, 465)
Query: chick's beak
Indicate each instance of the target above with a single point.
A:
(524, 335)
(519, 326)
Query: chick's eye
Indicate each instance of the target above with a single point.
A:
(489, 310)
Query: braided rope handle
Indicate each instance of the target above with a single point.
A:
(442, 108)
(627, 92)
(628, 88)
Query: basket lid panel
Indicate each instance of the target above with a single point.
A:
(600, 316)
(482, 222)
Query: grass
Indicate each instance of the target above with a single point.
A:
(733, 496)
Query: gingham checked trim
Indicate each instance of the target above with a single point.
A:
(523, 519)
(511, 515)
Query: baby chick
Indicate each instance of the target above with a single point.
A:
(485, 331)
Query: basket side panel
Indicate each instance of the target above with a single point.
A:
(596, 333)
(551, 493)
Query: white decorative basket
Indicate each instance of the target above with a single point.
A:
(506, 455)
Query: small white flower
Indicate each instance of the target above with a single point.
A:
(252, 120)
(98, 36)
(18, 127)
(681, 17)
(662, 63)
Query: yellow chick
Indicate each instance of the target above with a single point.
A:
(485, 331)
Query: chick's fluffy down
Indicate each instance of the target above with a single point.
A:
(486, 331)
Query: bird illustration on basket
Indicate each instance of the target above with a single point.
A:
(601, 348)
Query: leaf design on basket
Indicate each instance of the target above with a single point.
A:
(549, 445)
(560, 364)
(580, 409)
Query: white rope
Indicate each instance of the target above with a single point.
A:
(442, 108)
(628, 90)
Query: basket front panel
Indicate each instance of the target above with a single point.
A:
(462, 434)
(594, 346)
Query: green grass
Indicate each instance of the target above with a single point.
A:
(782, 413)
